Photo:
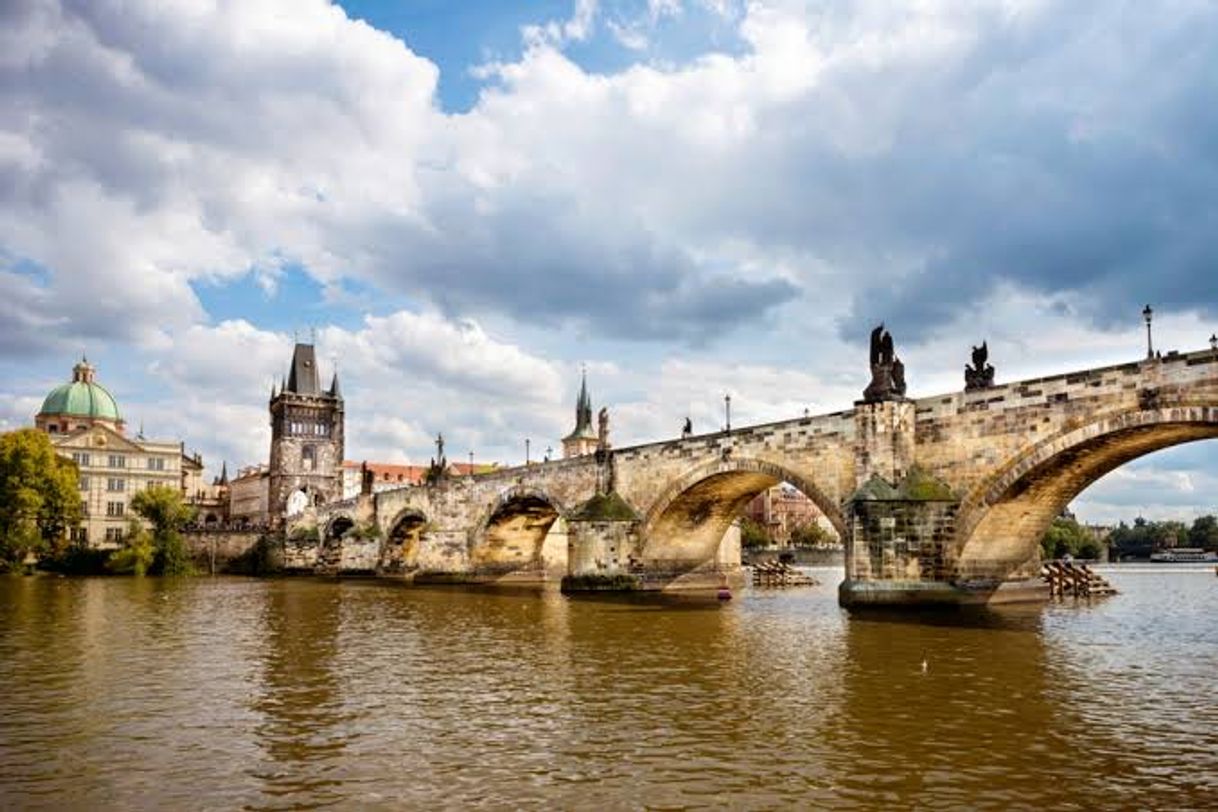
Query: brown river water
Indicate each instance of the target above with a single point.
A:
(286, 694)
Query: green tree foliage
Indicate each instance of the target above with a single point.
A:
(1144, 537)
(39, 497)
(302, 533)
(163, 508)
(137, 554)
(752, 534)
(361, 531)
(811, 535)
(1068, 537)
(1204, 533)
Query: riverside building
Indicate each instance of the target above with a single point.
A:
(86, 426)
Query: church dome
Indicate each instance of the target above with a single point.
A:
(83, 397)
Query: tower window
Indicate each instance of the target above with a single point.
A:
(308, 458)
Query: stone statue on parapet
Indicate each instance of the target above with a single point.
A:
(688, 429)
(602, 429)
(887, 371)
(439, 464)
(980, 374)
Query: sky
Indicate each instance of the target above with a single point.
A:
(466, 203)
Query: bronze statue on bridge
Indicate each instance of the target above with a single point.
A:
(887, 371)
(980, 375)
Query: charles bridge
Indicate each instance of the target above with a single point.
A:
(939, 499)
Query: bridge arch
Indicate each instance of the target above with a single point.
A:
(1001, 521)
(337, 525)
(690, 517)
(403, 538)
(512, 531)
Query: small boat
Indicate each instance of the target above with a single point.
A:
(1180, 555)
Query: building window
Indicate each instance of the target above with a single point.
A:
(84, 483)
(114, 533)
(156, 464)
(52, 429)
(81, 458)
(116, 485)
(308, 458)
(115, 509)
(118, 461)
(80, 535)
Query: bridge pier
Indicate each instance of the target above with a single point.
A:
(900, 551)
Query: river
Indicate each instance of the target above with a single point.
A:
(231, 693)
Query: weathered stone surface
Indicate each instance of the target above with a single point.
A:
(971, 481)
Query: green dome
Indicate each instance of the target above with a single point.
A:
(83, 397)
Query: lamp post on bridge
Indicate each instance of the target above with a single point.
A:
(471, 463)
(727, 408)
(1148, 314)
(526, 450)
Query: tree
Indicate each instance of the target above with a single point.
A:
(137, 554)
(811, 535)
(752, 534)
(1067, 536)
(1204, 533)
(39, 497)
(163, 508)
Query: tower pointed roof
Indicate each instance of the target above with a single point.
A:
(583, 412)
(302, 379)
(335, 391)
(223, 473)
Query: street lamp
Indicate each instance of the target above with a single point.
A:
(1213, 342)
(526, 450)
(727, 407)
(1148, 314)
(549, 451)
(471, 463)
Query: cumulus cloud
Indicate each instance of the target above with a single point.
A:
(1029, 171)
(1155, 488)
(910, 155)
(405, 377)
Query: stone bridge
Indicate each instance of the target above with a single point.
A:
(936, 499)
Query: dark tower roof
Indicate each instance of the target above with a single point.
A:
(302, 379)
(583, 412)
(335, 391)
(223, 474)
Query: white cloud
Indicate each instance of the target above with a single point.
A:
(1013, 171)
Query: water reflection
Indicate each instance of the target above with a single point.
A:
(302, 732)
(234, 693)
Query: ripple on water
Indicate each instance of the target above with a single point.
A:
(282, 694)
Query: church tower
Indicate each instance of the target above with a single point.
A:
(306, 460)
(583, 440)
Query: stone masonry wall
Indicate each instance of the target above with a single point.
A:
(963, 439)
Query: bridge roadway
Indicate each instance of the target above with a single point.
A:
(937, 499)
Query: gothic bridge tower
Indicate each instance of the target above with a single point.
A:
(306, 440)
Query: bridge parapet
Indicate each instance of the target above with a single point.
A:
(931, 496)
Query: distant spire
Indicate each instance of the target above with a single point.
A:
(583, 407)
(223, 473)
(335, 391)
(140, 435)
